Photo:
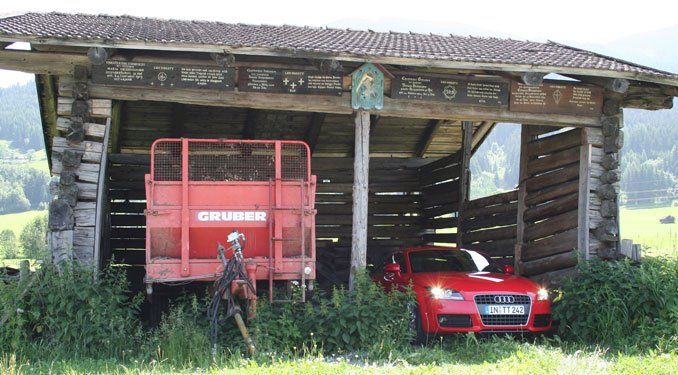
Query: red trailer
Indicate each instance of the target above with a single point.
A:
(201, 190)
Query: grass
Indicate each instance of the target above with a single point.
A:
(16, 222)
(642, 226)
(461, 356)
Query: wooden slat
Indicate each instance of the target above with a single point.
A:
(494, 248)
(558, 243)
(554, 143)
(490, 234)
(509, 196)
(551, 226)
(550, 193)
(489, 221)
(507, 208)
(553, 161)
(441, 163)
(555, 207)
(550, 263)
(559, 176)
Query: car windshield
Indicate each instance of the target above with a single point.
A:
(451, 261)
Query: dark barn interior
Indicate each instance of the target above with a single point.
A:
(413, 180)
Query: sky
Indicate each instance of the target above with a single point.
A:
(577, 22)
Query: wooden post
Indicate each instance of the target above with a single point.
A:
(464, 173)
(584, 197)
(525, 138)
(360, 194)
(116, 119)
(102, 195)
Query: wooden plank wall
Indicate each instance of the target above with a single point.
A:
(550, 216)
(439, 183)
(393, 211)
(489, 225)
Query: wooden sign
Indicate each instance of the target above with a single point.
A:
(557, 97)
(367, 90)
(130, 73)
(452, 89)
(272, 80)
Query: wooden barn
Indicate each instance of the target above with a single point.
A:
(392, 120)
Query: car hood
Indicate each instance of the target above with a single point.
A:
(475, 281)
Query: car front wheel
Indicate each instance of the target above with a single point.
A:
(419, 337)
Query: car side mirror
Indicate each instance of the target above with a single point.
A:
(391, 271)
(509, 270)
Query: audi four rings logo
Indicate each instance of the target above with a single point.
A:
(504, 299)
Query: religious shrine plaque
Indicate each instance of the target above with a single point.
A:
(558, 98)
(131, 73)
(287, 81)
(451, 89)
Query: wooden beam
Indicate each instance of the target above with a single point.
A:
(465, 173)
(48, 111)
(427, 137)
(338, 104)
(40, 62)
(102, 197)
(250, 129)
(479, 136)
(313, 130)
(117, 113)
(342, 56)
(361, 174)
(525, 138)
(584, 197)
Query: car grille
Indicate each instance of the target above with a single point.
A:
(452, 320)
(503, 320)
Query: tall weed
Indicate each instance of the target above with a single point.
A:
(367, 319)
(622, 304)
(68, 311)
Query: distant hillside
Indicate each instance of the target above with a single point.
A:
(649, 158)
(20, 117)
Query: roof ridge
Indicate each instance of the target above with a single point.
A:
(7, 15)
(616, 59)
(349, 29)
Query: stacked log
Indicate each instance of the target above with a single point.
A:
(76, 157)
(605, 174)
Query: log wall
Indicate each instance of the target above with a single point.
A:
(603, 186)
(76, 159)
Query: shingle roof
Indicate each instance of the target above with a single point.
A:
(295, 40)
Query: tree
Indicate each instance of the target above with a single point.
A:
(33, 238)
(9, 248)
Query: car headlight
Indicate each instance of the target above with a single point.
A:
(542, 294)
(445, 293)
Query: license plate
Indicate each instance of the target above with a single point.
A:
(506, 310)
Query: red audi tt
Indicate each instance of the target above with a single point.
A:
(465, 291)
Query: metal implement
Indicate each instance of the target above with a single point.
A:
(198, 190)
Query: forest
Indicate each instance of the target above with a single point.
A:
(649, 158)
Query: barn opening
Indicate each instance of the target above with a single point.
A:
(421, 105)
